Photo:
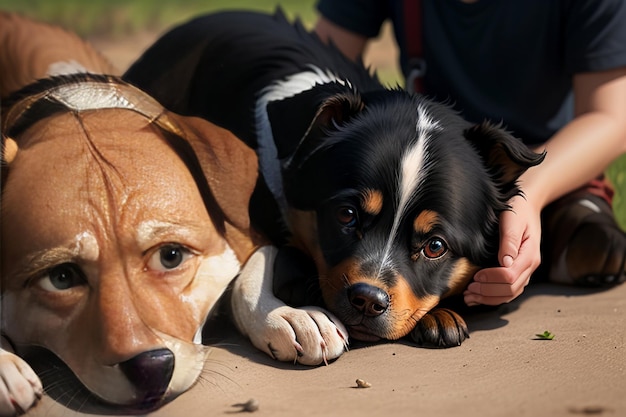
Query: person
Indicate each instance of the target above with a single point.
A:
(554, 72)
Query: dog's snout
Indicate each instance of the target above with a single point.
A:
(368, 299)
(150, 372)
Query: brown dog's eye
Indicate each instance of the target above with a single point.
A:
(62, 277)
(347, 216)
(168, 257)
(435, 248)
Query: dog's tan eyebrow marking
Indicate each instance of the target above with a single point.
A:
(462, 273)
(372, 201)
(426, 221)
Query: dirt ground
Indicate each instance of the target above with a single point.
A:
(500, 371)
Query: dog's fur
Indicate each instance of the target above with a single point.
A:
(122, 224)
(394, 198)
(32, 50)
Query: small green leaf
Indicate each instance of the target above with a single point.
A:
(547, 335)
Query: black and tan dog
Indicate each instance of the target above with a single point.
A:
(394, 198)
(122, 224)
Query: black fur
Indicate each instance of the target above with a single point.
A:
(338, 139)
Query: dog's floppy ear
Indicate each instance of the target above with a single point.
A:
(301, 122)
(505, 156)
(230, 169)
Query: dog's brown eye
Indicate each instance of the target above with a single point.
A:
(168, 257)
(347, 216)
(62, 277)
(435, 248)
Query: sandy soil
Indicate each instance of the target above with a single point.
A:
(501, 370)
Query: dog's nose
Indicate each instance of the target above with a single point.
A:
(150, 372)
(368, 299)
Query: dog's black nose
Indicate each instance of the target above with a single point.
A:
(150, 372)
(368, 299)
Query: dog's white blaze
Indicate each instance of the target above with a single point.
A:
(280, 90)
(413, 166)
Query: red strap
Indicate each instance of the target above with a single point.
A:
(413, 38)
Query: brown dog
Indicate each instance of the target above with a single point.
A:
(33, 50)
(122, 224)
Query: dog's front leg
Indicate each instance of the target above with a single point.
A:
(307, 335)
(20, 388)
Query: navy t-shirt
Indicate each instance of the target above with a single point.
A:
(502, 60)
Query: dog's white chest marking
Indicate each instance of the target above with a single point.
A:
(289, 87)
(414, 166)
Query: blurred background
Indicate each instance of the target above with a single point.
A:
(122, 29)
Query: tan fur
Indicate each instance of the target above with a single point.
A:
(373, 202)
(463, 273)
(405, 308)
(425, 221)
(125, 307)
(103, 190)
(29, 48)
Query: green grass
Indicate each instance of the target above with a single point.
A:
(118, 18)
(617, 174)
(123, 17)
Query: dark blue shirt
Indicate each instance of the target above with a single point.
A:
(502, 60)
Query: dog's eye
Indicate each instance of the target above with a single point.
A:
(435, 248)
(347, 216)
(168, 257)
(62, 277)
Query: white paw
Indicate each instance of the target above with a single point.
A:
(20, 388)
(307, 335)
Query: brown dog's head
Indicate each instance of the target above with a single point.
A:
(122, 224)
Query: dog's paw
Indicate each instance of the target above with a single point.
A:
(20, 388)
(307, 335)
(440, 328)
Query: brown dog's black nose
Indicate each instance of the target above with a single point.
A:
(368, 299)
(150, 372)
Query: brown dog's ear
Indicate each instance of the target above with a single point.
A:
(301, 123)
(230, 169)
(504, 155)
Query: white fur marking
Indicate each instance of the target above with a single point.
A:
(86, 247)
(219, 270)
(280, 90)
(95, 95)
(414, 165)
(590, 205)
(66, 68)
